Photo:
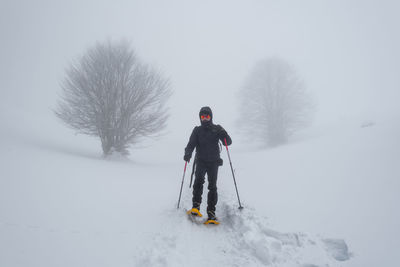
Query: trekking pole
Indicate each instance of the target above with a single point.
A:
(233, 174)
(183, 177)
(193, 169)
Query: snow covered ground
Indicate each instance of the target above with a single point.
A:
(330, 200)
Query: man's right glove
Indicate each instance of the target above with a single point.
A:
(186, 157)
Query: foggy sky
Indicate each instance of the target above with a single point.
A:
(347, 52)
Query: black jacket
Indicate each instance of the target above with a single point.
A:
(205, 139)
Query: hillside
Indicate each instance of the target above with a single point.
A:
(325, 201)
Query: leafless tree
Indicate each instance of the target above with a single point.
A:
(274, 103)
(111, 94)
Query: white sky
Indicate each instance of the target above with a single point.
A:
(346, 51)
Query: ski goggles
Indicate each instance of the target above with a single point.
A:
(206, 117)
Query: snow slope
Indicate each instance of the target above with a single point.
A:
(326, 201)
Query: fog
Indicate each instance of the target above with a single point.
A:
(61, 204)
(346, 51)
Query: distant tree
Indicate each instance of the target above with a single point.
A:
(274, 103)
(111, 94)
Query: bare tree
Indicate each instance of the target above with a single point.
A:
(274, 103)
(110, 94)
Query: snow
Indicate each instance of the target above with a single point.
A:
(327, 200)
(243, 240)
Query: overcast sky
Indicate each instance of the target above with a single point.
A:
(346, 51)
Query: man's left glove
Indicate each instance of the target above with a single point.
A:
(221, 132)
(186, 157)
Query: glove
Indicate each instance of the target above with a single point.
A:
(186, 157)
(221, 132)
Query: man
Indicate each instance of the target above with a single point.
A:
(205, 139)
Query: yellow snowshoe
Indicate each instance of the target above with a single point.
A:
(211, 221)
(194, 212)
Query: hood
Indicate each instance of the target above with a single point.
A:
(206, 110)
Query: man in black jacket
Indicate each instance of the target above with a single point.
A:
(205, 139)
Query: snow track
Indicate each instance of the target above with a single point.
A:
(242, 239)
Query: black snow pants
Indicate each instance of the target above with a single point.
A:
(211, 168)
